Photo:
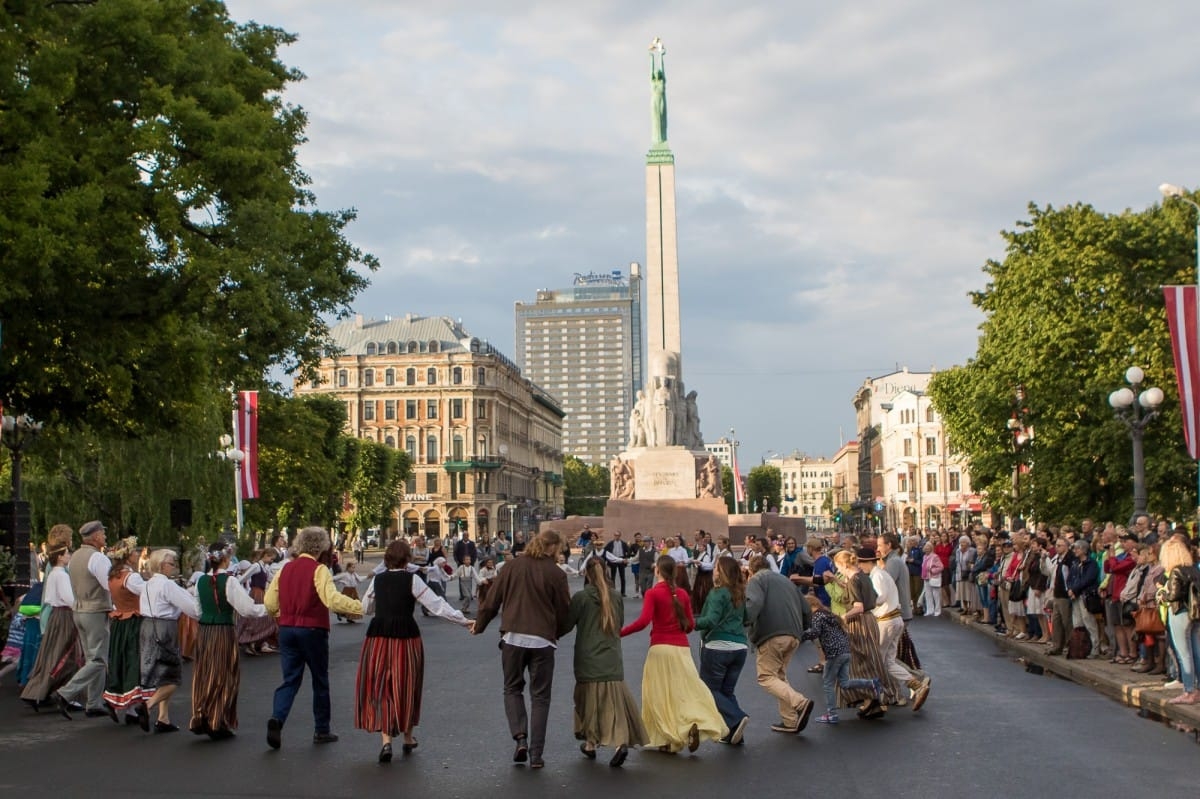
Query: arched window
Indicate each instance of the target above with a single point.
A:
(368, 377)
(431, 449)
(390, 441)
(389, 377)
(431, 376)
(482, 379)
(474, 345)
(371, 348)
(410, 446)
(410, 377)
(433, 346)
(412, 346)
(392, 348)
(343, 378)
(456, 376)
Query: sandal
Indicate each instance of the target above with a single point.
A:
(816, 668)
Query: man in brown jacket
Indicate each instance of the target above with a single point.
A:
(532, 593)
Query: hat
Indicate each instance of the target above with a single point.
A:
(1128, 536)
(1006, 543)
(90, 528)
(866, 554)
(122, 549)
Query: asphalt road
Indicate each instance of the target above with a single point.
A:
(989, 728)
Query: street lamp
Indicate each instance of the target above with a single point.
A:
(228, 452)
(19, 434)
(1022, 435)
(1135, 415)
(512, 521)
(733, 445)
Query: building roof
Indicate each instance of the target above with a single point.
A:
(352, 335)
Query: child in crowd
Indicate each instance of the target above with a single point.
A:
(347, 582)
(835, 643)
(468, 581)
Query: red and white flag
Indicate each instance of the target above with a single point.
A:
(739, 488)
(1181, 317)
(245, 430)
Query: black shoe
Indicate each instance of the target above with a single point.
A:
(590, 754)
(33, 703)
(64, 707)
(619, 756)
(143, 716)
(521, 753)
(535, 761)
(131, 721)
(221, 735)
(164, 727)
(385, 754)
(112, 713)
(693, 738)
(274, 733)
(407, 748)
(96, 713)
(805, 711)
(325, 738)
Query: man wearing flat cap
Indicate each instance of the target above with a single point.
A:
(88, 570)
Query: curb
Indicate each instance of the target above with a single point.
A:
(1145, 694)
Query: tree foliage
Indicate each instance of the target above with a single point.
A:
(157, 238)
(763, 487)
(585, 488)
(1075, 302)
(378, 476)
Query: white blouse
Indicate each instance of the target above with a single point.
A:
(428, 599)
(57, 591)
(164, 599)
(239, 597)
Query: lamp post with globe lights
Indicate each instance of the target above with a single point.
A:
(1135, 409)
(228, 452)
(1022, 436)
(19, 433)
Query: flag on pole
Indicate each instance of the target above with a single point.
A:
(246, 439)
(1181, 317)
(739, 489)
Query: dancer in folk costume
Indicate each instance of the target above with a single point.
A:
(391, 667)
(163, 601)
(60, 654)
(125, 624)
(858, 597)
(255, 633)
(217, 676)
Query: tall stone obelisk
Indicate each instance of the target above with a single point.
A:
(664, 483)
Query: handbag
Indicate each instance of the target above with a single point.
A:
(1147, 621)
(935, 581)
(1092, 602)
(1018, 591)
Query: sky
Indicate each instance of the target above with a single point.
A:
(843, 171)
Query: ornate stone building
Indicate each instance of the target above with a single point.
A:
(485, 442)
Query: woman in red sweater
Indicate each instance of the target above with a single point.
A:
(677, 708)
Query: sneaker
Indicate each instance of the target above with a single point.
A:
(1022, 636)
(274, 733)
(325, 738)
(828, 718)
(784, 728)
(1172, 685)
(739, 732)
(805, 711)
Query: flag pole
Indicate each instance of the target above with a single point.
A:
(238, 463)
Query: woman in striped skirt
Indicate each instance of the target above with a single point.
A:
(124, 627)
(59, 655)
(256, 631)
(391, 668)
(866, 661)
(217, 676)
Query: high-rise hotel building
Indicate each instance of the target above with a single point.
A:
(583, 344)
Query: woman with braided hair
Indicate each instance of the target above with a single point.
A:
(217, 676)
(677, 708)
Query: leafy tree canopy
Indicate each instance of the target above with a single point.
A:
(157, 237)
(585, 488)
(763, 486)
(1075, 302)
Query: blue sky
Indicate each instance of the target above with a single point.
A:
(843, 170)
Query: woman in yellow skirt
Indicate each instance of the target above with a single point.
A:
(677, 708)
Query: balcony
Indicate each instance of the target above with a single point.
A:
(553, 478)
(473, 463)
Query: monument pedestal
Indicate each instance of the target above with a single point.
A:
(662, 517)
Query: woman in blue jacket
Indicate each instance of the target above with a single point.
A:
(1083, 579)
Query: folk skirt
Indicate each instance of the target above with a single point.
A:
(29, 648)
(124, 663)
(161, 662)
(59, 656)
(215, 680)
(391, 672)
(186, 638)
(866, 662)
(607, 715)
(674, 698)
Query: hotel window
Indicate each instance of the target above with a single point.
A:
(343, 378)
(908, 447)
(955, 480)
(389, 377)
(431, 449)
(431, 409)
(431, 376)
(410, 377)
(410, 409)
(389, 409)
(456, 376)
(368, 412)
(431, 486)
(410, 446)
(930, 445)
(369, 377)
(456, 408)
(931, 481)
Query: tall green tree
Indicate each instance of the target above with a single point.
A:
(375, 492)
(157, 237)
(585, 488)
(763, 487)
(1075, 302)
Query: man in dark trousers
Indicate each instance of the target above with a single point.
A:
(616, 555)
(532, 597)
(464, 547)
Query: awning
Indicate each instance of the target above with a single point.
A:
(953, 507)
(975, 507)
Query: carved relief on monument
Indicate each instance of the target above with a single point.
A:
(621, 474)
(708, 479)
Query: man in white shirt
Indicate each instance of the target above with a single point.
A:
(891, 628)
(614, 556)
(88, 570)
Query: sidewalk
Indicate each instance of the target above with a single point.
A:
(1140, 691)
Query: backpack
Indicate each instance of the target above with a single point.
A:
(1079, 645)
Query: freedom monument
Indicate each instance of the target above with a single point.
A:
(664, 483)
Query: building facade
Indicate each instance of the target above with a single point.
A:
(845, 475)
(485, 443)
(806, 489)
(584, 345)
(723, 449)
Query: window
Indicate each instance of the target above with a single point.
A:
(412, 346)
(481, 409)
(457, 448)
(908, 447)
(955, 481)
(930, 445)
(431, 376)
(431, 449)
(431, 408)
(456, 376)
(410, 485)
(410, 446)
(368, 411)
(410, 409)
(390, 441)
(392, 348)
(389, 409)
(931, 481)
(929, 413)
(343, 378)
(482, 379)
(389, 377)
(410, 377)
(431, 486)
(902, 483)
(371, 348)
(368, 377)
(456, 408)
(433, 346)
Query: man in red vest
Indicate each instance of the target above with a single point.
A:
(300, 599)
